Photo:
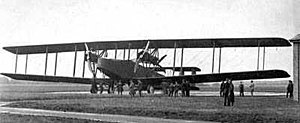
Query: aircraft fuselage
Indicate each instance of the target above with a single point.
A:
(124, 69)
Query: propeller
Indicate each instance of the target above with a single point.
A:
(141, 56)
(93, 70)
(88, 57)
(162, 58)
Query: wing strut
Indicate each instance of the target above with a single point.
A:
(26, 63)
(258, 52)
(129, 45)
(16, 63)
(83, 67)
(175, 45)
(220, 56)
(213, 58)
(46, 61)
(75, 57)
(55, 67)
(181, 63)
(116, 51)
(124, 54)
(264, 56)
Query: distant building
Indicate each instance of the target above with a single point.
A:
(296, 65)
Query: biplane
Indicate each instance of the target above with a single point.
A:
(146, 66)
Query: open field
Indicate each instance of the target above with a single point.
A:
(247, 109)
(21, 90)
(15, 118)
(208, 108)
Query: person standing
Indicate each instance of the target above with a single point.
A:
(187, 88)
(101, 88)
(222, 89)
(131, 89)
(151, 89)
(226, 92)
(120, 87)
(241, 86)
(251, 87)
(176, 89)
(164, 86)
(290, 89)
(231, 93)
(140, 87)
(171, 89)
(182, 86)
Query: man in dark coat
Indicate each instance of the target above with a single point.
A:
(241, 86)
(231, 93)
(120, 87)
(182, 86)
(290, 89)
(226, 93)
(187, 88)
(222, 89)
(176, 89)
(140, 87)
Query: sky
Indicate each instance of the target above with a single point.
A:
(32, 22)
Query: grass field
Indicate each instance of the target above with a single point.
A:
(246, 109)
(15, 118)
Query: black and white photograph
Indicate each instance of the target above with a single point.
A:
(149, 61)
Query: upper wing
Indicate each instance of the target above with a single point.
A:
(157, 43)
(217, 77)
(53, 78)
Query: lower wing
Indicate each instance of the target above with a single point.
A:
(200, 78)
(43, 78)
(217, 77)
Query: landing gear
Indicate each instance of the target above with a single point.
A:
(94, 88)
(93, 91)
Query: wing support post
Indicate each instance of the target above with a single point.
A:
(46, 61)
(26, 63)
(83, 67)
(264, 58)
(55, 66)
(116, 50)
(129, 45)
(174, 60)
(181, 63)
(220, 57)
(75, 57)
(258, 52)
(16, 63)
(213, 58)
(137, 53)
(124, 54)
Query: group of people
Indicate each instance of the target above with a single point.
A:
(227, 91)
(172, 89)
(135, 87)
(241, 87)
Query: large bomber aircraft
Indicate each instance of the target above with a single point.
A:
(139, 68)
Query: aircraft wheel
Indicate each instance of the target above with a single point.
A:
(93, 91)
